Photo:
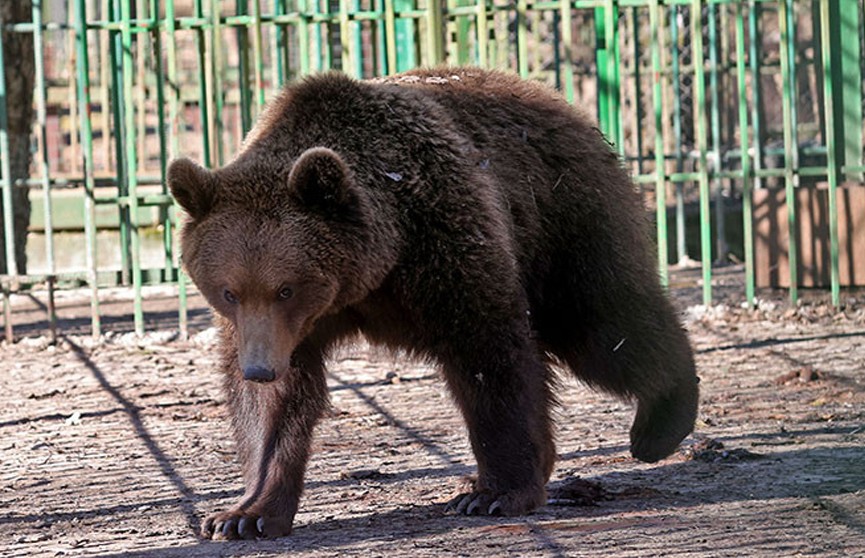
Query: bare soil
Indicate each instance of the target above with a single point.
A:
(119, 448)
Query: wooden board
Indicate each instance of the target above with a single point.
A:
(771, 238)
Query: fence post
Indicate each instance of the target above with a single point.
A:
(831, 138)
(702, 147)
(845, 26)
(788, 101)
(5, 168)
(747, 182)
(435, 44)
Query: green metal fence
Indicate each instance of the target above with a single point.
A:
(706, 100)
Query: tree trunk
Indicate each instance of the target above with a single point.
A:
(19, 69)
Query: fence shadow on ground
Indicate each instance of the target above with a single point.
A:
(413, 522)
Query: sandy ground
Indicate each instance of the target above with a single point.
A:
(120, 447)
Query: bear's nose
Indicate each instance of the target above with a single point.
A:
(257, 373)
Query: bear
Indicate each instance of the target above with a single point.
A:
(458, 215)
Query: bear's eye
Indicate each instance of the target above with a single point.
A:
(285, 293)
(229, 296)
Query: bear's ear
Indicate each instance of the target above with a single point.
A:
(320, 179)
(193, 186)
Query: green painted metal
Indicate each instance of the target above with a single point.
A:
(702, 147)
(567, 38)
(483, 33)
(169, 85)
(831, 147)
(715, 126)
(678, 153)
(42, 136)
(845, 23)
(754, 54)
(131, 163)
(522, 41)
(8, 226)
(788, 102)
(744, 144)
(655, 23)
(405, 41)
(242, 7)
(84, 112)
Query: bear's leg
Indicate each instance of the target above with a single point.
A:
(634, 347)
(502, 390)
(273, 425)
(666, 411)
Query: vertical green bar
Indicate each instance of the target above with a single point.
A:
(601, 55)
(243, 69)
(118, 110)
(162, 131)
(616, 71)
(357, 41)
(566, 15)
(258, 56)
(847, 75)
(638, 78)
(831, 162)
(216, 68)
(304, 51)
(83, 82)
(715, 122)
(754, 38)
(522, 46)
(787, 101)
(681, 246)
(608, 62)
(174, 116)
(131, 163)
(613, 81)
(324, 46)
(203, 97)
(747, 199)
(435, 45)
(380, 40)
(41, 120)
(658, 106)
(279, 49)
(460, 48)
(316, 53)
(390, 36)
(8, 222)
(406, 58)
(347, 48)
(483, 31)
(702, 141)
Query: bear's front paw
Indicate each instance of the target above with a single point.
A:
(245, 524)
(507, 503)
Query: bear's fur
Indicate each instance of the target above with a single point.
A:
(463, 215)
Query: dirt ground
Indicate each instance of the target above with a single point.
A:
(120, 447)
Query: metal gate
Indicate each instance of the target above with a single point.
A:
(708, 102)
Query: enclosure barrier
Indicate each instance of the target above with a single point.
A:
(707, 101)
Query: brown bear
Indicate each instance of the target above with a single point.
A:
(465, 216)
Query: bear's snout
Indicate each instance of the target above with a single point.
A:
(257, 373)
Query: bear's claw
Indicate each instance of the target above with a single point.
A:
(474, 503)
(508, 503)
(233, 525)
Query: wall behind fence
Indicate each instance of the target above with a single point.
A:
(709, 103)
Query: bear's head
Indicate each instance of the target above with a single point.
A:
(271, 249)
